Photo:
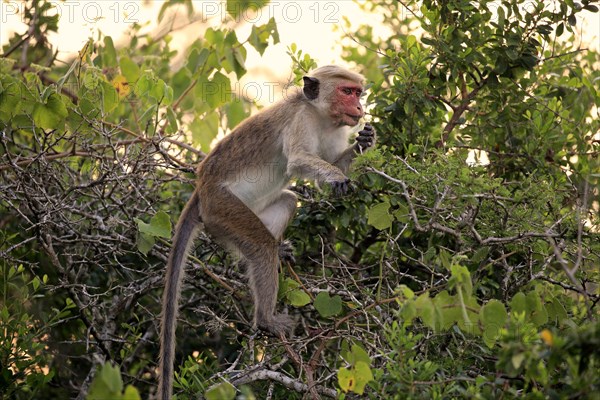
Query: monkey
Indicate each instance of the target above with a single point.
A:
(241, 198)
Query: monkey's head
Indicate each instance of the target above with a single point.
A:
(336, 92)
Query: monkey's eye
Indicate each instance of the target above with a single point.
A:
(347, 91)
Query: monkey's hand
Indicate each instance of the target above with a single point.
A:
(365, 139)
(340, 187)
(286, 252)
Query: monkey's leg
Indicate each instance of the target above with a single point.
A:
(276, 217)
(233, 224)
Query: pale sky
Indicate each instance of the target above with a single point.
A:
(309, 24)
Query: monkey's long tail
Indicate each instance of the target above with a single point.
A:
(185, 232)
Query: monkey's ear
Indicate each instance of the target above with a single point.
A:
(311, 87)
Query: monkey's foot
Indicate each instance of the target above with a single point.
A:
(278, 325)
(286, 252)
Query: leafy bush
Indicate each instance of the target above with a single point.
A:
(464, 264)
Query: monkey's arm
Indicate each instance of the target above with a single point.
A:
(303, 162)
(365, 140)
(309, 166)
(300, 147)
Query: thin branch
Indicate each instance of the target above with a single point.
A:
(280, 377)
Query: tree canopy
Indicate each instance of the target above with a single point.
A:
(465, 262)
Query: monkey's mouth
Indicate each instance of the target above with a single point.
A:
(354, 118)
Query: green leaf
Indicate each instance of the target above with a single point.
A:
(10, 98)
(408, 312)
(236, 113)
(402, 214)
(537, 311)
(214, 36)
(204, 130)
(480, 254)
(129, 69)
(518, 303)
(285, 285)
(52, 114)
(161, 92)
(328, 306)
(145, 243)
(448, 310)
(426, 310)
(501, 66)
(109, 54)
(4, 313)
(131, 393)
(144, 84)
(298, 298)
(444, 258)
(259, 36)
(494, 313)
(469, 318)
(110, 97)
(556, 311)
(36, 283)
(172, 126)
(493, 317)
(239, 54)
(517, 360)
(501, 18)
(223, 391)
(407, 292)
(358, 354)
(107, 384)
(159, 226)
(461, 279)
(346, 379)
(528, 61)
(363, 375)
(379, 216)
(197, 59)
(512, 53)
(218, 90)
(6, 65)
(235, 59)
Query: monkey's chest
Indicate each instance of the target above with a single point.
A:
(259, 184)
(333, 145)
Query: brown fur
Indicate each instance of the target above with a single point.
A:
(241, 197)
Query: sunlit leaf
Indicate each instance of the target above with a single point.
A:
(223, 391)
(129, 69)
(109, 54)
(346, 379)
(52, 114)
(298, 298)
(379, 216)
(204, 130)
(159, 226)
(363, 375)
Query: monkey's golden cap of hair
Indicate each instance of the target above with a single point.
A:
(336, 72)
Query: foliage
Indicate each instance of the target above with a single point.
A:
(24, 366)
(108, 385)
(464, 264)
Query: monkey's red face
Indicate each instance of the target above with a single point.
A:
(345, 107)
